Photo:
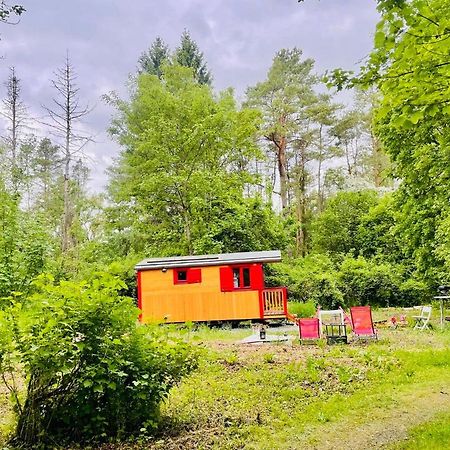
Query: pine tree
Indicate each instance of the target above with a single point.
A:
(154, 58)
(189, 55)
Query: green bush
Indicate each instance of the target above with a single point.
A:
(365, 282)
(92, 373)
(301, 309)
(314, 279)
(303, 277)
(414, 292)
(336, 229)
(325, 291)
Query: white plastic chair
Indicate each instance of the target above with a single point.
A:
(332, 325)
(423, 321)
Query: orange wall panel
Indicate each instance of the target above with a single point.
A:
(162, 300)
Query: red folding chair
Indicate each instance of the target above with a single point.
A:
(309, 329)
(362, 323)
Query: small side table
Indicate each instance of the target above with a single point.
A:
(336, 333)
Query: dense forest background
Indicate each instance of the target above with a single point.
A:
(354, 195)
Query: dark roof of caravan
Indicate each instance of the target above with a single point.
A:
(209, 260)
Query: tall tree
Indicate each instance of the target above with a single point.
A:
(46, 167)
(323, 115)
(182, 173)
(189, 55)
(410, 66)
(153, 59)
(14, 112)
(348, 135)
(65, 113)
(377, 163)
(282, 98)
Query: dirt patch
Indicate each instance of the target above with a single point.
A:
(382, 428)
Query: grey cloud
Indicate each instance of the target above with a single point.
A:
(238, 38)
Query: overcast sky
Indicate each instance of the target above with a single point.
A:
(106, 37)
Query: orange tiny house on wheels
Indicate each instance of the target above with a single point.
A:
(208, 288)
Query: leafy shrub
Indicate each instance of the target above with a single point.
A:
(91, 372)
(300, 309)
(413, 292)
(325, 291)
(314, 280)
(335, 230)
(377, 233)
(303, 277)
(24, 245)
(365, 282)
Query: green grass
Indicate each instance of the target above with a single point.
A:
(293, 396)
(431, 435)
(279, 399)
(302, 309)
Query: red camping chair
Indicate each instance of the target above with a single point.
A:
(309, 329)
(362, 323)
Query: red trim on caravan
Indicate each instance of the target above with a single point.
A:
(285, 301)
(261, 303)
(226, 279)
(139, 294)
(194, 276)
(256, 277)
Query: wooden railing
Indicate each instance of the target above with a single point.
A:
(274, 302)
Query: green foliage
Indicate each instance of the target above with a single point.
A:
(249, 225)
(365, 282)
(179, 183)
(409, 66)
(300, 309)
(23, 246)
(153, 60)
(377, 234)
(189, 55)
(283, 99)
(310, 279)
(336, 229)
(414, 292)
(347, 281)
(91, 373)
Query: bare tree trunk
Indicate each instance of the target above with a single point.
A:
(66, 112)
(347, 158)
(282, 165)
(301, 203)
(377, 164)
(15, 113)
(14, 98)
(319, 172)
(67, 216)
(187, 233)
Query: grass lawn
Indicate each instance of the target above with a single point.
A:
(390, 393)
(430, 435)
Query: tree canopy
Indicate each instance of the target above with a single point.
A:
(186, 162)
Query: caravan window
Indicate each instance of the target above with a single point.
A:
(187, 276)
(233, 278)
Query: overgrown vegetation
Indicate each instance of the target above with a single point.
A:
(91, 374)
(283, 397)
(356, 197)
